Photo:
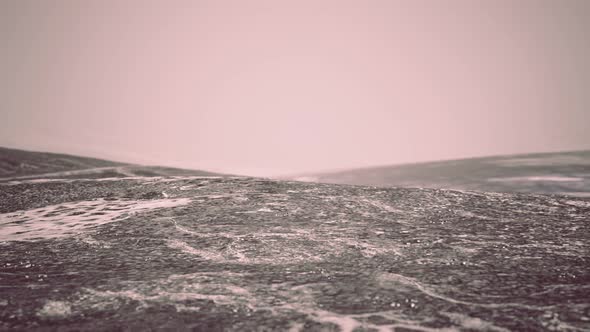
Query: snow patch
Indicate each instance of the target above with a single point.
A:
(541, 178)
(307, 179)
(71, 218)
(55, 309)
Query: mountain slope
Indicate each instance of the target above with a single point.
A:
(19, 165)
(553, 173)
(15, 162)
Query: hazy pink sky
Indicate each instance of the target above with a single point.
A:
(275, 87)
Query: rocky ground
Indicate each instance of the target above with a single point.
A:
(244, 254)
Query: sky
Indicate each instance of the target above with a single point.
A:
(285, 87)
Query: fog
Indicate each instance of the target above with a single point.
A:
(282, 87)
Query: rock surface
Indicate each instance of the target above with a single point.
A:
(242, 254)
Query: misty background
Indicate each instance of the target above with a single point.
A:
(280, 87)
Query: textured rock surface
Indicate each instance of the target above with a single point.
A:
(243, 254)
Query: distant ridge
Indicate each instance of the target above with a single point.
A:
(21, 164)
(547, 173)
